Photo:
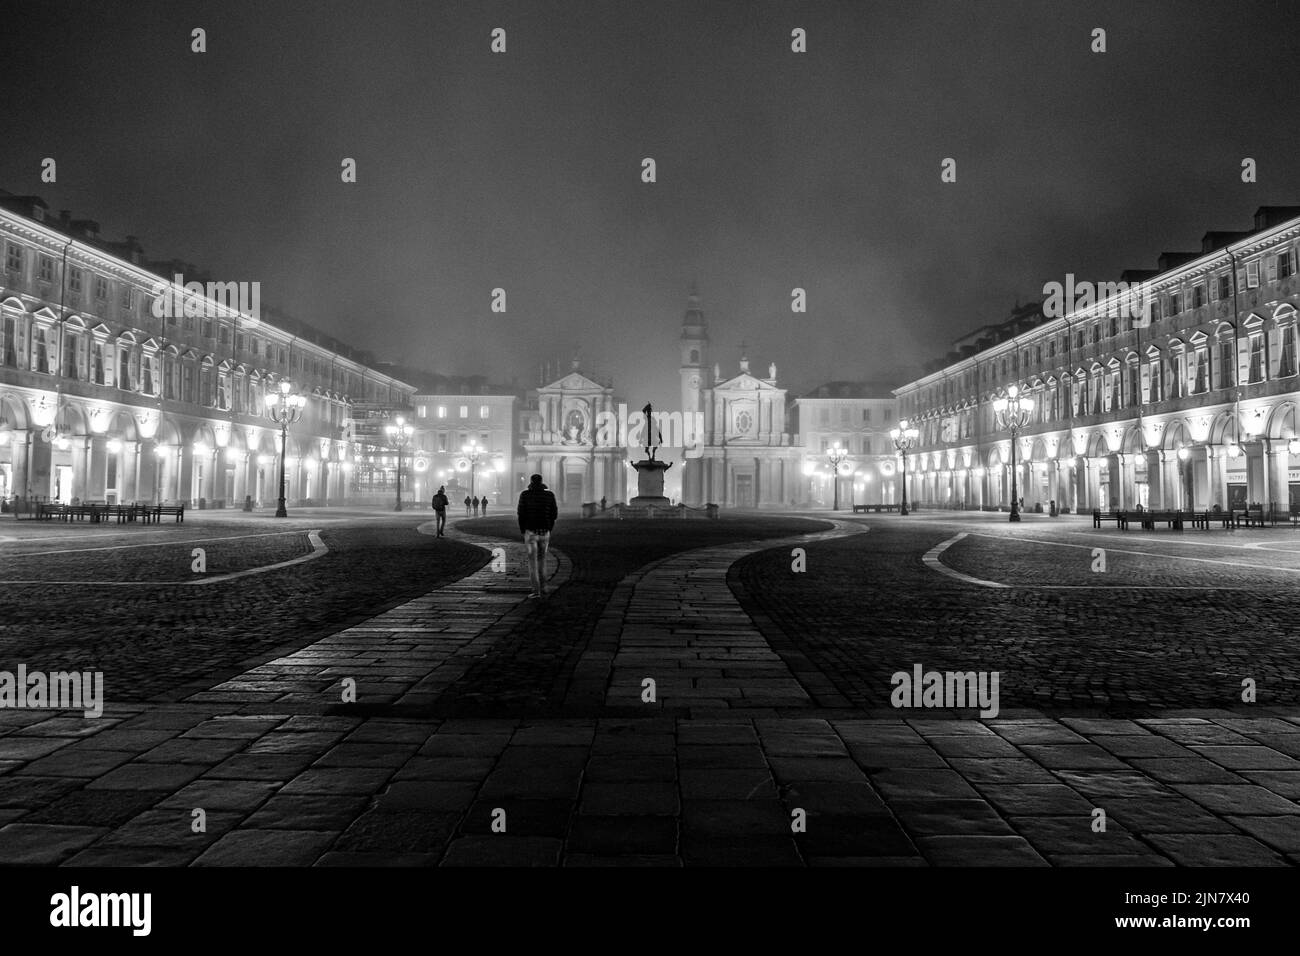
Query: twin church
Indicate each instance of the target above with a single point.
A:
(728, 440)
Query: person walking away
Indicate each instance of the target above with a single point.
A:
(537, 513)
(467, 506)
(476, 506)
(483, 503)
(440, 503)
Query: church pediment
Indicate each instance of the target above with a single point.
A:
(573, 382)
(744, 382)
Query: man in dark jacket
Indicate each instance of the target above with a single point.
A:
(537, 513)
(440, 508)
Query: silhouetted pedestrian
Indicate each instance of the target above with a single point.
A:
(537, 513)
(467, 506)
(440, 503)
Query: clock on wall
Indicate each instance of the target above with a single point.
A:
(693, 381)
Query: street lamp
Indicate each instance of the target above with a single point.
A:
(1013, 414)
(285, 409)
(905, 438)
(399, 435)
(835, 456)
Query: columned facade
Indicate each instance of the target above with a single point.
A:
(1186, 403)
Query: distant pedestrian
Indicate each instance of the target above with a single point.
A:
(483, 503)
(537, 513)
(602, 502)
(467, 506)
(440, 503)
(476, 506)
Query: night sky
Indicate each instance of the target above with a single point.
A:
(775, 169)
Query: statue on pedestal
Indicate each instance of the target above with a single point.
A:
(649, 472)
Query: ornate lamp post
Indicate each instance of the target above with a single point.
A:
(905, 438)
(285, 409)
(1013, 414)
(835, 456)
(399, 434)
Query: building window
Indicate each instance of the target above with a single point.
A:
(1286, 361)
(1227, 372)
(1225, 286)
(1200, 359)
(14, 258)
(442, 411)
(1255, 372)
(124, 368)
(1175, 303)
(1198, 295)
(1252, 275)
(126, 297)
(224, 336)
(422, 411)
(442, 441)
(1286, 265)
(844, 415)
(74, 281)
(464, 411)
(45, 269)
(484, 411)
(866, 416)
(101, 288)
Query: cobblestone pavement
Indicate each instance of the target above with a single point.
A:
(769, 740)
(1174, 620)
(159, 640)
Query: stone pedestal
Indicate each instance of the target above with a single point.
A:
(650, 484)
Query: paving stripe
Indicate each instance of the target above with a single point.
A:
(931, 559)
(677, 622)
(318, 546)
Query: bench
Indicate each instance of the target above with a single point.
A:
(1119, 517)
(863, 509)
(177, 511)
(1249, 518)
(1148, 520)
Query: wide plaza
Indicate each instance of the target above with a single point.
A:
(343, 688)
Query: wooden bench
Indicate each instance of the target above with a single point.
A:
(1250, 518)
(178, 511)
(863, 509)
(1119, 517)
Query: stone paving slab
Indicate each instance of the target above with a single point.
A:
(259, 771)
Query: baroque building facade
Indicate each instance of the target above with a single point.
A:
(1188, 401)
(106, 396)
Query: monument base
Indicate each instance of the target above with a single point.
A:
(650, 501)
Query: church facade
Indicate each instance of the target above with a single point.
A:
(730, 439)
